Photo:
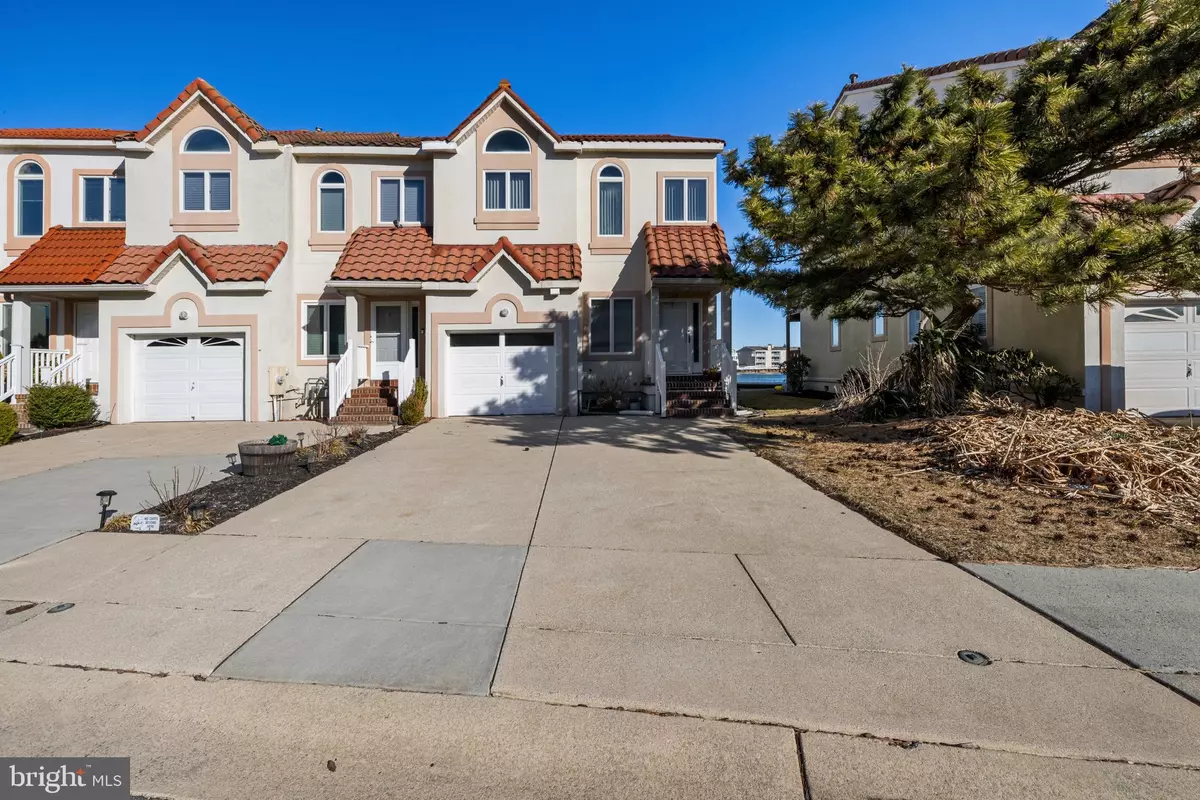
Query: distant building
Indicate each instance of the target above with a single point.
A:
(762, 357)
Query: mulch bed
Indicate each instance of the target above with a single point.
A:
(228, 497)
(35, 434)
(895, 474)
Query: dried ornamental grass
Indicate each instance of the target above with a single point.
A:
(1120, 456)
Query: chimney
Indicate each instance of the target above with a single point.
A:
(854, 77)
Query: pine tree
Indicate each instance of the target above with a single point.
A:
(910, 206)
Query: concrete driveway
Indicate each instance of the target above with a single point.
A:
(588, 607)
(48, 486)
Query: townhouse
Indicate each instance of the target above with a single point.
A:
(204, 267)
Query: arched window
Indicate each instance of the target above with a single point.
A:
(506, 141)
(332, 199)
(611, 201)
(31, 199)
(206, 140)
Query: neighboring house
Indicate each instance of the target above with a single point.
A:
(1142, 354)
(761, 357)
(204, 267)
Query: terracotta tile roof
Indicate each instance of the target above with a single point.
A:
(80, 256)
(345, 138)
(504, 88)
(636, 137)
(684, 251)
(77, 134)
(999, 57)
(66, 256)
(409, 254)
(252, 129)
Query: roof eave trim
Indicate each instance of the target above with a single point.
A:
(652, 147)
(75, 288)
(134, 146)
(267, 146)
(238, 286)
(439, 146)
(690, 281)
(82, 144)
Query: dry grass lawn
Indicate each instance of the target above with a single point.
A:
(885, 472)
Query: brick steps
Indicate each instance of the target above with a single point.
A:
(373, 403)
(696, 396)
(354, 420)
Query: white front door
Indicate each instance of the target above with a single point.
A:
(502, 373)
(1162, 358)
(678, 322)
(183, 378)
(389, 340)
(87, 339)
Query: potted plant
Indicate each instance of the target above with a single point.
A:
(271, 457)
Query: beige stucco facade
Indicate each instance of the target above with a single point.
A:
(274, 199)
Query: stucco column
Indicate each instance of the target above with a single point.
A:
(20, 341)
(652, 338)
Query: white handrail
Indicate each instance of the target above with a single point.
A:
(728, 373)
(408, 371)
(43, 362)
(341, 381)
(660, 379)
(8, 376)
(66, 372)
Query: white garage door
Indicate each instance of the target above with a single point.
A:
(1162, 359)
(502, 373)
(184, 378)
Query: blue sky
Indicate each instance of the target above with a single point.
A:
(699, 67)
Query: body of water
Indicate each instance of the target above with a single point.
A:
(760, 378)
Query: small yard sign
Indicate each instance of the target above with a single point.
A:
(144, 523)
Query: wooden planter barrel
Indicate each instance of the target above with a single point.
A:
(260, 458)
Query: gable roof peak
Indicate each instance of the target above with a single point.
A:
(240, 119)
(504, 84)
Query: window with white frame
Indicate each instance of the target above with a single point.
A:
(506, 140)
(102, 198)
(323, 326)
(331, 201)
(835, 333)
(611, 326)
(685, 200)
(206, 190)
(914, 325)
(507, 190)
(31, 199)
(879, 326)
(401, 199)
(206, 140)
(610, 201)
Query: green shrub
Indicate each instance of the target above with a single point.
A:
(278, 439)
(8, 423)
(60, 406)
(412, 410)
(1021, 373)
(797, 368)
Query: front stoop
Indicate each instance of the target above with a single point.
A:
(696, 396)
(372, 403)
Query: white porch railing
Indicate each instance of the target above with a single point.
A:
(361, 370)
(722, 356)
(69, 371)
(341, 380)
(8, 376)
(408, 371)
(660, 379)
(43, 362)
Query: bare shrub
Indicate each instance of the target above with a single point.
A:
(172, 493)
(117, 523)
(357, 435)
